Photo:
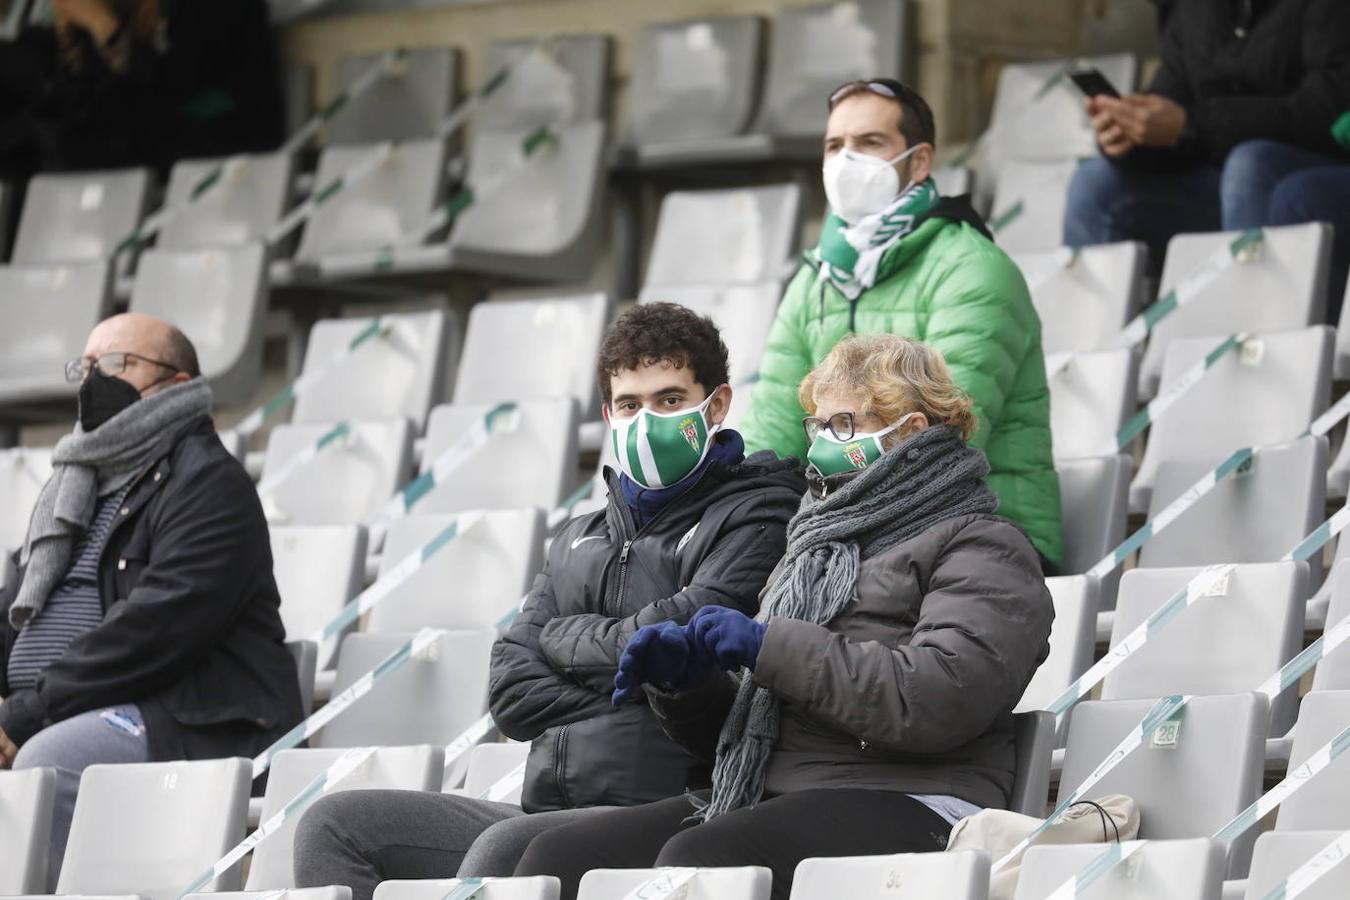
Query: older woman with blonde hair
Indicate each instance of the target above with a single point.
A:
(868, 706)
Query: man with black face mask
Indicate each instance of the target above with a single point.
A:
(144, 623)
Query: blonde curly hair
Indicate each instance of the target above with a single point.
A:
(897, 376)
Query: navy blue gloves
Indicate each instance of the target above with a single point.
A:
(674, 658)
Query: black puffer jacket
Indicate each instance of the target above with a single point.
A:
(1246, 69)
(553, 671)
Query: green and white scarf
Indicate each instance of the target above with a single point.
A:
(850, 255)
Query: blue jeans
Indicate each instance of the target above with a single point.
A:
(1262, 183)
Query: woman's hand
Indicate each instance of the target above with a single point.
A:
(659, 654)
(728, 638)
(93, 16)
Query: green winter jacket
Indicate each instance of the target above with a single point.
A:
(948, 285)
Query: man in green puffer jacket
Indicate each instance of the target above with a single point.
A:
(905, 261)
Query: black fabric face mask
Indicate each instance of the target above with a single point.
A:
(102, 397)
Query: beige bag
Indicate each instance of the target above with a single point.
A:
(1108, 819)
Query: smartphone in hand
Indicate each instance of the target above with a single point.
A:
(1093, 83)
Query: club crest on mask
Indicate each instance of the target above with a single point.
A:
(689, 428)
(856, 455)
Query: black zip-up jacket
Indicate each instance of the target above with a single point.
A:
(191, 632)
(1247, 69)
(553, 670)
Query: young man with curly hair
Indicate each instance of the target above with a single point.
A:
(691, 522)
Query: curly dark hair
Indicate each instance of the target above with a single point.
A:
(651, 332)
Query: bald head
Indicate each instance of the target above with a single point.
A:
(155, 345)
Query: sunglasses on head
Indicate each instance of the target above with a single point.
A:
(882, 87)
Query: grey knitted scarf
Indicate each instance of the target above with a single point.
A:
(88, 465)
(928, 477)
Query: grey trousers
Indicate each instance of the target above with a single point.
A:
(361, 838)
(114, 735)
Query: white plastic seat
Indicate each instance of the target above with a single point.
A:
(1029, 203)
(1338, 477)
(430, 700)
(26, 799)
(406, 103)
(128, 836)
(489, 763)
(1093, 496)
(398, 373)
(330, 892)
(23, 472)
(306, 657)
(1333, 670)
(959, 875)
(558, 336)
(1073, 637)
(530, 465)
(567, 82)
(954, 181)
(537, 887)
(472, 581)
(721, 237)
(1225, 643)
(1160, 870)
(79, 216)
(1325, 802)
(387, 208)
(1091, 397)
(1193, 787)
(411, 768)
(318, 568)
(240, 207)
(1034, 738)
(1265, 392)
(1343, 340)
(1257, 514)
(1281, 286)
(346, 483)
(1279, 853)
(48, 312)
(1084, 296)
(747, 883)
(218, 298)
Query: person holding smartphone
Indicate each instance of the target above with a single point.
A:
(1244, 101)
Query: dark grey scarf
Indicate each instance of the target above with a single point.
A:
(88, 465)
(928, 477)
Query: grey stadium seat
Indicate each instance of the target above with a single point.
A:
(297, 83)
(540, 453)
(470, 583)
(1192, 788)
(407, 103)
(1073, 636)
(1265, 392)
(1279, 853)
(1228, 642)
(560, 336)
(1333, 670)
(565, 83)
(1034, 744)
(489, 763)
(693, 82)
(306, 657)
(415, 768)
(218, 297)
(128, 834)
(428, 701)
(1161, 870)
(720, 237)
(79, 216)
(1086, 296)
(1093, 501)
(959, 875)
(1343, 339)
(399, 373)
(242, 205)
(1091, 397)
(346, 483)
(26, 799)
(953, 181)
(1029, 203)
(1255, 515)
(537, 887)
(331, 892)
(49, 312)
(23, 472)
(747, 883)
(318, 569)
(1325, 803)
(1280, 286)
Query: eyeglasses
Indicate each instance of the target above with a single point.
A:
(880, 88)
(840, 425)
(77, 370)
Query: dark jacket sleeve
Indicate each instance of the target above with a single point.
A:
(526, 696)
(983, 628)
(195, 584)
(693, 718)
(586, 647)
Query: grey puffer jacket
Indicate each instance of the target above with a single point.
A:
(912, 688)
(553, 671)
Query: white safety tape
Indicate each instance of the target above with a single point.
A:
(1312, 871)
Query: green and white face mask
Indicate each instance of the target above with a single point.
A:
(831, 456)
(657, 450)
